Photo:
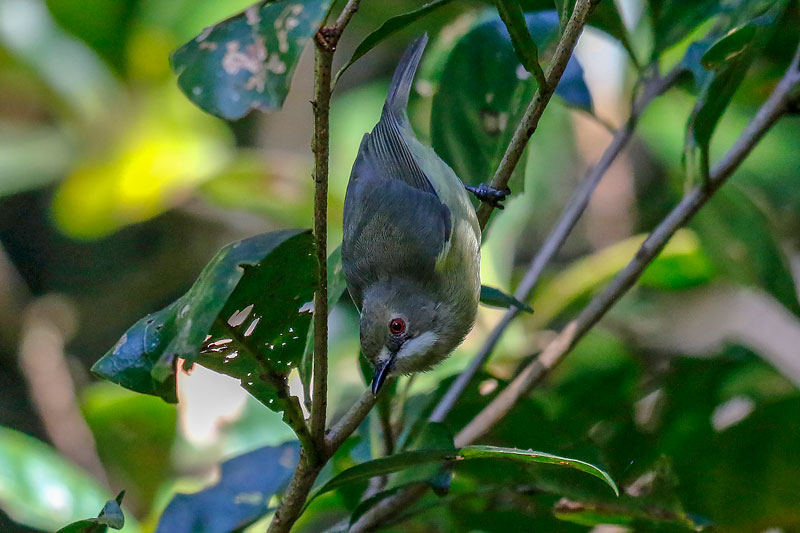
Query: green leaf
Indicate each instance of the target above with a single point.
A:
(247, 61)
(733, 54)
(728, 47)
(240, 497)
(337, 284)
(389, 28)
(673, 20)
(110, 516)
(41, 489)
(680, 265)
(512, 16)
(497, 298)
(246, 316)
(738, 238)
(404, 460)
(472, 123)
(133, 434)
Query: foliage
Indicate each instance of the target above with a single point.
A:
(685, 442)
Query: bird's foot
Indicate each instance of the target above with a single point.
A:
(486, 193)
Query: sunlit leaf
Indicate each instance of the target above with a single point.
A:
(247, 61)
(411, 459)
(246, 316)
(472, 123)
(389, 28)
(110, 516)
(681, 264)
(239, 498)
(497, 298)
(163, 152)
(41, 489)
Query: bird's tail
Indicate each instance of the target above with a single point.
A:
(397, 99)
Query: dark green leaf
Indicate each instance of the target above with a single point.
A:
(337, 284)
(242, 495)
(389, 28)
(404, 460)
(41, 489)
(247, 61)
(512, 16)
(247, 316)
(110, 517)
(728, 47)
(497, 298)
(672, 20)
(434, 436)
(738, 238)
(472, 123)
(733, 54)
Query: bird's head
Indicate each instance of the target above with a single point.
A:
(401, 330)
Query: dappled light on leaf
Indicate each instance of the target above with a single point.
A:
(247, 61)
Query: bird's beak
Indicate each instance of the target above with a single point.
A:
(382, 371)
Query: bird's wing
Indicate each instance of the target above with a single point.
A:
(390, 227)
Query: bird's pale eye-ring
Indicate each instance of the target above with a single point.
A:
(397, 326)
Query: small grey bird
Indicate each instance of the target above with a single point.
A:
(411, 248)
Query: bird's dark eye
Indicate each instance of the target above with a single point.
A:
(397, 326)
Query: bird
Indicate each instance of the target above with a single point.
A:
(411, 242)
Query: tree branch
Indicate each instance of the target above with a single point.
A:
(323, 60)
(554, 353)
(313, 458)
(530, 120)
(555, 240)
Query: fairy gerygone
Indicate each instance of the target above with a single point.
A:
(411, 249)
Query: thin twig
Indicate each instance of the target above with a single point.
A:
(322, 101)
(555, 240)
(314, 457)
(530, 120)
(554, 353)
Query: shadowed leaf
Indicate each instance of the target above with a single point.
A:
(242, 495)
(472, 123)
(497, 298)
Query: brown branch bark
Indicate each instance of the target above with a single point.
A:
(312, 459)
(530, 120)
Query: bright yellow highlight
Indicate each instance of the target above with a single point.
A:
(154, 164)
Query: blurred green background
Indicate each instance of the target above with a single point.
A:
(115, 190)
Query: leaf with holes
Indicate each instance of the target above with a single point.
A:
(247, 61)
(472, 123)
(247, 316)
